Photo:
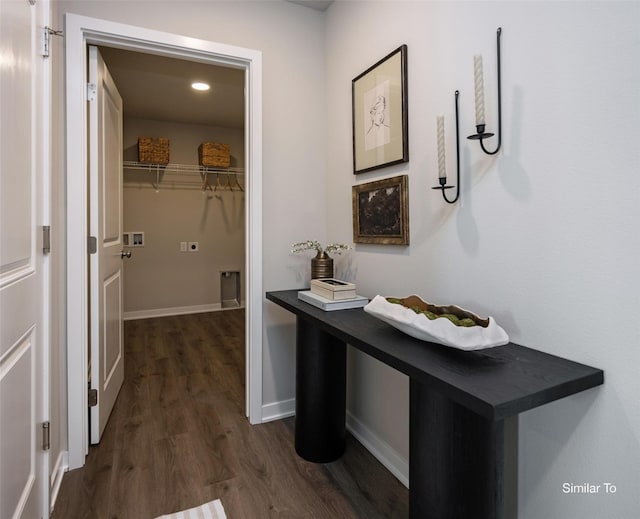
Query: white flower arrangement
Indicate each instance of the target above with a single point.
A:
(338, 248)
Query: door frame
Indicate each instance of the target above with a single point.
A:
(80, 31)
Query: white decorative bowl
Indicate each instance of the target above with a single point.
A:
(484, 334)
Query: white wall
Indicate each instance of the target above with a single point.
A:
(291, 40)
(545, 236)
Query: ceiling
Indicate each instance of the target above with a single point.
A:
(318, 5)
(159, 88)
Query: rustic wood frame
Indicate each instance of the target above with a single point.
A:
(381, 211)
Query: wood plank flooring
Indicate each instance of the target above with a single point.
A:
(178, 437)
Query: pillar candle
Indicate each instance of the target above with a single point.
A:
(479, 90)
(441, 157)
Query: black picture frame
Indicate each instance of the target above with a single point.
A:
(381, 211)
(379, 114)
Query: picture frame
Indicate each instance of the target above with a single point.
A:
(381, 211)
(380, 115)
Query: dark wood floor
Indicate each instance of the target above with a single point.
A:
(178, 437)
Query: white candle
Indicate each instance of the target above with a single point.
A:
(479, 84)
(441, 158)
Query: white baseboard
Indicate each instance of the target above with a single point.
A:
(61, 466)
(381, 450)
(176, 310)
(278, 410)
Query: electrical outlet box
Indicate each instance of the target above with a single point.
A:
(193, 246)
(183, 246)
(133, 239)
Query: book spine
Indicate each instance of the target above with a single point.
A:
(329, 305)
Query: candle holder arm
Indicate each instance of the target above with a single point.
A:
(481, 134)
(443, 180)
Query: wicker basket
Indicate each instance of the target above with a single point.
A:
(214, 155)
(153, 150)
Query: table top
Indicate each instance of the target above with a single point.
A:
(495, 383)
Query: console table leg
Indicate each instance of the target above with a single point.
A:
(456, 463)
(321, 387)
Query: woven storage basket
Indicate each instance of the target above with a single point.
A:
(214, 155)
(153, 150)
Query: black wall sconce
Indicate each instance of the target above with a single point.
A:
(479, 94)
(442, 176)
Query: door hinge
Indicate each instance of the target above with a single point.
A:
(46, 239)
(46, 436)
(93, 397)
(47, 32)
(92, 245)
(45, 42)
(92, 91)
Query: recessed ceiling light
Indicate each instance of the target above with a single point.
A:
(200, 86)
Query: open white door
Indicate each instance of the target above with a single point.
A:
(105, 225)
(23, 338)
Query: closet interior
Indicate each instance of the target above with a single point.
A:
(184, 221)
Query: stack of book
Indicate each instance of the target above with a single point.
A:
(332, 294)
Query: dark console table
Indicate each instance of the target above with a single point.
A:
(459, 402)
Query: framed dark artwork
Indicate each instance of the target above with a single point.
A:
(380, 116)
(381, 211)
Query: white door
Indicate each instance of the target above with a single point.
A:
(23, 339)
(106, 355)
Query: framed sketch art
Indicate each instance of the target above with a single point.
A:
(381, 211)
(379, 105)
